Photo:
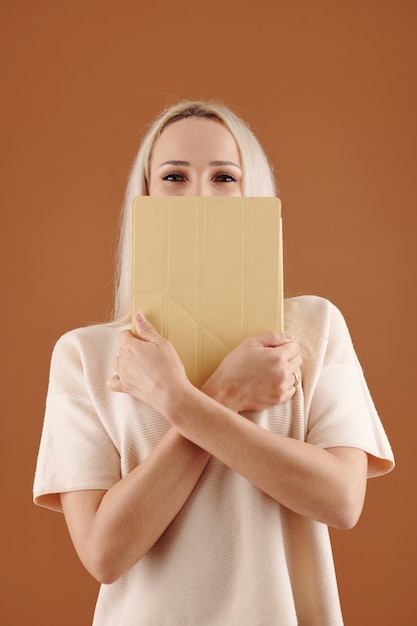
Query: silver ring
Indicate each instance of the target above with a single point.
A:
(297, 379)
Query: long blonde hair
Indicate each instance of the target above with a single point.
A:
(257, 179)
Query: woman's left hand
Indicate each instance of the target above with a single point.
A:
(260, 372)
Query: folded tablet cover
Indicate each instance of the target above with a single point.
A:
(207, 273)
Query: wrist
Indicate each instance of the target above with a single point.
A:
(221, 393)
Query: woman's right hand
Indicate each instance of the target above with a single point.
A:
(257, 374)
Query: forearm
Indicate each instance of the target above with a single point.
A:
(129, 518)
(325, 485)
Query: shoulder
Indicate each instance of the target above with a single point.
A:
(98, 339)
(313, 311)
(318, 324)
(83, 356)
(93, 334)
(310, 305)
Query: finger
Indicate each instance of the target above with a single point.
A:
(272, 339)
(145, 330)
(125, 337)
(114, 384)
(296, 379)
(295, 363)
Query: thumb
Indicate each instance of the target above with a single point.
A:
(273, 339)
(144, 329)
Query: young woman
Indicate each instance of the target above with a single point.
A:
(209, 506)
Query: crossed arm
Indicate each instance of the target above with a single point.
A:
(113, 529)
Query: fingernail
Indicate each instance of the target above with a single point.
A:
(140, 317)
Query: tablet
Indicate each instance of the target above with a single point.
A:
(207, 273)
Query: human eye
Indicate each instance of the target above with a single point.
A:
(174, 177)
(224, 178)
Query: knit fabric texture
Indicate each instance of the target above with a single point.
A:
(232, 556)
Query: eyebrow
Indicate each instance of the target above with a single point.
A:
(212, 163)
(221, 163)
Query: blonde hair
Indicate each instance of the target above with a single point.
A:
(257, 180)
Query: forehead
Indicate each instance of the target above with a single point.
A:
(197, 135)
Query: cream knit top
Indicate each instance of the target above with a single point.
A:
(232, 556)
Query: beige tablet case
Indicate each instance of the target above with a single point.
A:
(207, 273)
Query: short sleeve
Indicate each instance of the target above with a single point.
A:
(342, 412)
(75, 452)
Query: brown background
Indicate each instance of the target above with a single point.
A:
(330, 89)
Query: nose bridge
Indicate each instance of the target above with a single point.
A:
(199, 185)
